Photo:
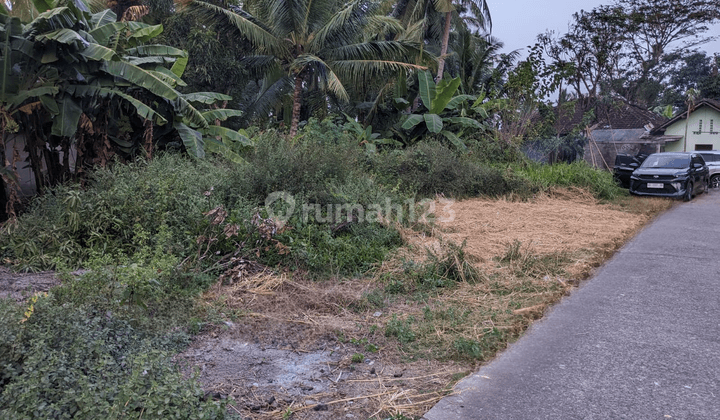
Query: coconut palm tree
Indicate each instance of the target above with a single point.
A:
(318, 45)
(474, 13)
(479, 64)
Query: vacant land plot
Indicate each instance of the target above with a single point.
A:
(394, 344)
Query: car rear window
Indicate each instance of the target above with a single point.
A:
(667, 161)
(709, 157)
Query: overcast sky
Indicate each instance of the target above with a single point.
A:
(518, 22)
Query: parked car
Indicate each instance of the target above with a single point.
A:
(625, 165)
(712, 160)
(671, 175)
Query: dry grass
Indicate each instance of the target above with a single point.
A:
(560, 221)
(528, 255)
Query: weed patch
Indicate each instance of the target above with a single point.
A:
(430, 168)
(64, 361)
(577, 174)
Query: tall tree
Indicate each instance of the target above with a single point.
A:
(620, 47)
(480, 12)
(653, 25)
(436, 16)
(317, 45)
(590, 52)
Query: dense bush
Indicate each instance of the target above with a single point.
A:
(430, 168)
(60, 361)
(122, 210)
(321, 156)
(165, 209)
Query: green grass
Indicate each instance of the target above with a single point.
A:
(578, 174)
(155, 234)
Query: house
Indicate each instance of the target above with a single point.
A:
(613, 126)
(699, 131)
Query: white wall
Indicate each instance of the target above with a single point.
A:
(695, 135)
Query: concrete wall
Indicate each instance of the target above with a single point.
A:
(695, 134)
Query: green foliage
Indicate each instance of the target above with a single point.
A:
(576, 174)
(439, 99)
(331, 49)
(131, 212)
(365, 136)
(430, 168)
(400, 329)
(69, 362)
(358, 358)
(321, 156)
(147, 211)
(70, 74)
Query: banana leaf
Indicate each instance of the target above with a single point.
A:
(66, 122)
(220, 114)
(433, 122)
(140, 77)
(192, 140)
(142, 110)
(207, 98)
(412, 121)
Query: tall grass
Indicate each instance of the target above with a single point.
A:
(576, 174)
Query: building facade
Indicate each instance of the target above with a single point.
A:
(699, 131)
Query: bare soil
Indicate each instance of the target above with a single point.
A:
(20, 286)
(289, 347)
(289, 352)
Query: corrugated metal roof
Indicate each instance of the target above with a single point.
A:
(619, 135)
(615, 114)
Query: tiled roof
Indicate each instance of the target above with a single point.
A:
(617, 114)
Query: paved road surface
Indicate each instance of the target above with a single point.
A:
(640, 340)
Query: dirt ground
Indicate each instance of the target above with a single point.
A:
(19, 286)
(287, 347)
(290, 355)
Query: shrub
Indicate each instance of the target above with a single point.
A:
(431, 168)
(154, 205)
(66, 362)
(321, 156)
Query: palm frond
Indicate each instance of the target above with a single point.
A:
(327, 79)
(380, 27)
(369, 50)
(270, 93)
(362, 72)
(243, 24)
(344, 27)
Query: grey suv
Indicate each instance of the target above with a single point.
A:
(712, 160)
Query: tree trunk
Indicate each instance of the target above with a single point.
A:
(444, 47)
(297, 102)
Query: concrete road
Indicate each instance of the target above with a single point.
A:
(640, 340)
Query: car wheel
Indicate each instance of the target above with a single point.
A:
(715, 181)
(688, 192)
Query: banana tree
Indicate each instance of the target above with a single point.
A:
(440, 101)
(84, 85)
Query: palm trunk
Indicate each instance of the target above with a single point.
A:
(444, 47)
(296, 106)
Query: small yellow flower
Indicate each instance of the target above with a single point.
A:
(31, 307)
